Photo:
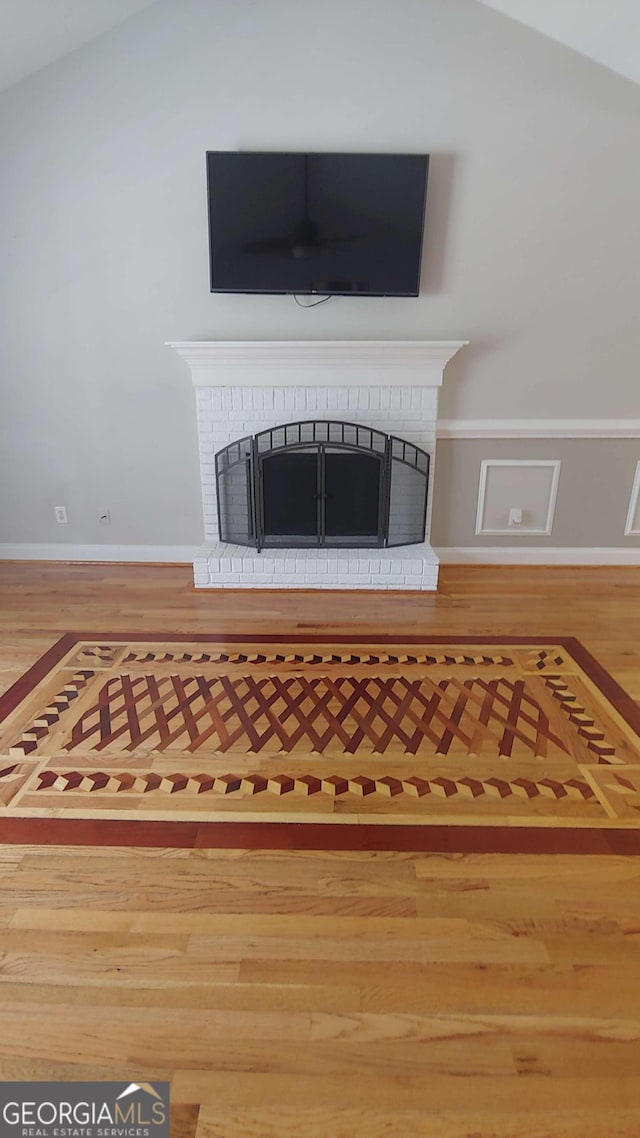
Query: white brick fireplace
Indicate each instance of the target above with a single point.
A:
(243, 388)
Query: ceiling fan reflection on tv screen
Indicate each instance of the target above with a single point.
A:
(304, 240)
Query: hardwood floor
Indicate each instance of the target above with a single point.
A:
(316, 994)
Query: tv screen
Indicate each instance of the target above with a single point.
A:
(339, 224)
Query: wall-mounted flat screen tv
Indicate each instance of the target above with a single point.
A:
(339, 224)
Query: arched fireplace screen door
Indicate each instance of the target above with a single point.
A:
(319, 482)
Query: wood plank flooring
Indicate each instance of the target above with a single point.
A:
(315, 994)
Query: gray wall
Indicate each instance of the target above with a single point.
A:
(531, 250)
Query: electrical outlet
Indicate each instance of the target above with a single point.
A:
(515, 516)
(105, 518)
(61, 515)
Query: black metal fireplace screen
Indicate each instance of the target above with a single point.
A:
(325, 483)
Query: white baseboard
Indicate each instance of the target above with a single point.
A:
(31, 551)
(536, 555)
(448, 555)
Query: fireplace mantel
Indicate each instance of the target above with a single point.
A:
(244, 387)
(292, 363)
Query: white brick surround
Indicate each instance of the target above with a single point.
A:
(244, 388)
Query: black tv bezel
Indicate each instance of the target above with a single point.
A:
(317, 154)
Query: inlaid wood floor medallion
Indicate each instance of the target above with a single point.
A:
(517, 743)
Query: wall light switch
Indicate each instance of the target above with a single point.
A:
(515, 516)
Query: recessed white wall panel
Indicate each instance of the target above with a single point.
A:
(632, 528)
(530, 486)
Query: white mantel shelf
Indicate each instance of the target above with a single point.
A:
(290, 363)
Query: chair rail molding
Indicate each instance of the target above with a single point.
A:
(538, 429)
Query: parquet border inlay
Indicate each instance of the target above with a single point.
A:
(283, 721)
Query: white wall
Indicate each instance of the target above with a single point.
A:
(531, 251)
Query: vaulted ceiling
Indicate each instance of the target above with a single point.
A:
(607, 31)
(34, 33)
